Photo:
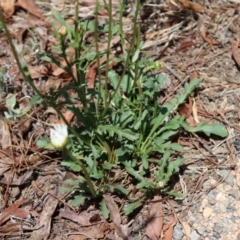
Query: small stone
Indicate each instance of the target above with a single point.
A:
(201, 230)
(232, 193)
(227, 188)
(213, 181)
(219, 188)
(222, 208)
(238, 236)
(207, 212)
(194, 235)
(220, 196)
(212, 201)
(178, 232)
(238, 212)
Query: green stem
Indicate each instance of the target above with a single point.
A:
(110, 19)
(127, 63)
(23, 69)
(85, 172)
(69, 68)
(80, 73)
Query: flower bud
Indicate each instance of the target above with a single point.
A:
(62, 31)
(59, 136)
(157, 65)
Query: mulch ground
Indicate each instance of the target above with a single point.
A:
(191, 41)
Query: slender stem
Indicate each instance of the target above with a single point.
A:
(110, 19)
(23, 69)
(69, 68)
(98, 59)
(127, 63)
(77, 48)
(85, 172)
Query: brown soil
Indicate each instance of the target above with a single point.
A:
(197, 42)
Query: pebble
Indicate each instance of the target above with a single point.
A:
(178, 232)
(217, 215)
(229, 177)
(207, 212)
(213, 181)
(220, 196)
(212, 201)
(221, 207)
(194, 235)
(232, 193)
(227, 188)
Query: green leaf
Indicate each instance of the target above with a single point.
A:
(135, 56)
(145, 184)
(138, 123)
(214, 128)
(72, 165)
(65, 190)
(44, 143)
(145, 162)
(118, 189)
(59, 17)
(177, 195)
(129, 208)
(127, 133)
(126, 84)
(104, 208)
(131, 171)
(11, 101)
(78, 200)
(46, 58)
(173, 146)
(35, 99)
(72, 182)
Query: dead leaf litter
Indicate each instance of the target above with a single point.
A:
(191, 39)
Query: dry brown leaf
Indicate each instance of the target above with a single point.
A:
(21, 213)
(235, 52)
(168, 229)
(8, 7)
(5, 215)
(186, 229)
(155, 219)
(30, 6)
(92, 71)
(95, 232)
(37, 72)
(5, 137)
(71, 215)
(5, 164)
(53, 83)
(122, 230)
(44, 224)
(17, 180)
(194, 110)
(190, 5)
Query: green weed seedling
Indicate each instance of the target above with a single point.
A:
(124, 128)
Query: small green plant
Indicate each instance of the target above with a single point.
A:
(14, 112)
(124, 128)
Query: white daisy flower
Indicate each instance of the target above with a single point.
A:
(59, 136)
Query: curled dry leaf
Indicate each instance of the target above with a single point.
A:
(7, 7)
(30, 6)
(122, 230)
(168, 228)
(5, 215)
(5, 137)
(190, 5)
(155, 220)
(203, 32)
(71, 215)
(235, 52)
